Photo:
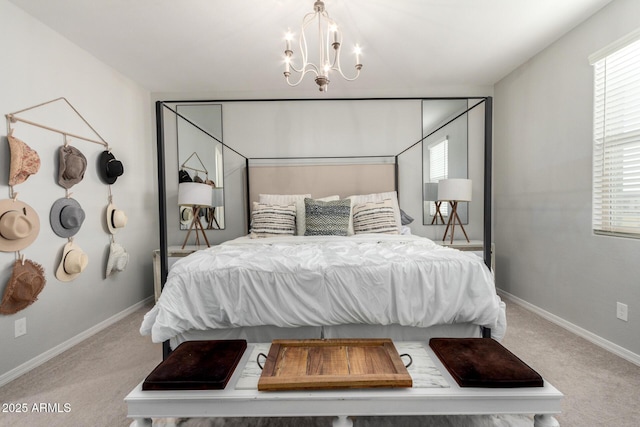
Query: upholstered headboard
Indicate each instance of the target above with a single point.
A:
(322, 180)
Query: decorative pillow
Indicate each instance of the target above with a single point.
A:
(327, 218)
(377, 197)
(289, 199)
(329, 198)
(272, 220)
(374, 217)
(405, 219)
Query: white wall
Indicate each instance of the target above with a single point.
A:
(40, 65)
(547, 254)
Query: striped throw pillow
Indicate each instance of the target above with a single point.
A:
(327, 218)
(273, 220)
(374, 217)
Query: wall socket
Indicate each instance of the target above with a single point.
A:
(622, 311)
(20, 327)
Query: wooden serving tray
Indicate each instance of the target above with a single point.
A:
(333, 364)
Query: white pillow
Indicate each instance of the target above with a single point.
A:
(288, 199)
(376, 197)
(329, 198)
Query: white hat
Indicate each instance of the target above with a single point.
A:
(118, 259)
(116, 218)
(73, 262)
(186, 215)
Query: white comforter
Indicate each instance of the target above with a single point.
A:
(325, 280)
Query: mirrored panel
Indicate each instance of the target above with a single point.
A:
(444, 157)
(201, 166)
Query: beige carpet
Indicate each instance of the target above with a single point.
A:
(92, 379)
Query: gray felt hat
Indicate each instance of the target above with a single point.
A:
(66, 217)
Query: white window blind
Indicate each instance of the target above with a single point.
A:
(438, 169)
(616, 142)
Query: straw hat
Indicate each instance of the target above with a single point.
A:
(116, 218)
(66, 217)
(24, 161)
(118, 259)
(71, 166)
(26, 282)
(109, 168)
(19, 225)
(186, 215)
(73, 262)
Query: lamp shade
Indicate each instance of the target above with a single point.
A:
(217, 199)
(430, 192)
(457, 189)
(194, 194)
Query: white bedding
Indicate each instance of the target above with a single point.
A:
(325, 280)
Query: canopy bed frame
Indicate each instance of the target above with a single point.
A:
(257, 169)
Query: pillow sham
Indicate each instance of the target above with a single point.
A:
(327, 218)
(374, 217)
(272, 220)
(288, 199)
(377, 197)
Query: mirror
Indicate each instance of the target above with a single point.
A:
(444, 154)
(200, 159)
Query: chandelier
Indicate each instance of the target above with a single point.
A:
(328, 38)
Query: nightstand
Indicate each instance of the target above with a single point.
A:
(475, 246)
(174, 254)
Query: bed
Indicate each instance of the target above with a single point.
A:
(372, 281)
(397, 286)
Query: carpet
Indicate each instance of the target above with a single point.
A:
(404, 421)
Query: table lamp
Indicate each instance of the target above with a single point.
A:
(195, 195)
(217, 201)
(454, 190)
(431, 195)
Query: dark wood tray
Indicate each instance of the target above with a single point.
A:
(333, 364)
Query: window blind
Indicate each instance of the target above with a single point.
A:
(438, 169)
(616, 143)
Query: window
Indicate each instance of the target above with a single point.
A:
(616, 139)
(438, 169)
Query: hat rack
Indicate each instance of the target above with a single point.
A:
(204, 168)
(12, 118)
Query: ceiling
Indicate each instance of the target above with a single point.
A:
(236, 46)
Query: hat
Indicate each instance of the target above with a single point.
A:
(66, 217)
(116, 218)
(73, 262)
(118, 259)
(19, 225)
(109, 168)
(183, 176)
(26, 282)
(186, 215)
(72, 165)
(24, 161)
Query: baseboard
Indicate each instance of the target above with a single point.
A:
(51, 353)
(583, 333)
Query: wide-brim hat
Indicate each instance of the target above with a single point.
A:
(109, 168)
(72, 165)
(24, 161)
(186, 215)
(26, 282)
(19, 225)
(72, 263)
(116, 218)
(66, 217)
(118, 259)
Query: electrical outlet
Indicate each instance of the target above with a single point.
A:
(20, 327)
(622, 311)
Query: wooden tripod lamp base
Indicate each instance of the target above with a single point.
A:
(197, 225)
